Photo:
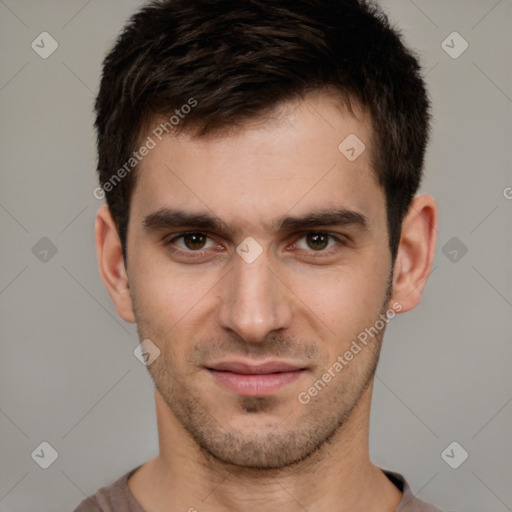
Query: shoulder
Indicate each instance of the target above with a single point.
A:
(409, 502)
(112, 498)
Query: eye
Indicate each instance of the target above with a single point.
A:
(193, 241)
(317, 241)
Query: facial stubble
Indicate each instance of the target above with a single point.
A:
(290, 441)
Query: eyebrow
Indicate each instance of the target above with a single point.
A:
(168, 218)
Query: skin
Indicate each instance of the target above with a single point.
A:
(300, 301)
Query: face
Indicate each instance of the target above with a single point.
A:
(255, 260)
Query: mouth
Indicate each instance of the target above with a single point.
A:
(246, 379)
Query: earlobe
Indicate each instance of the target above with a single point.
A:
(111, 263)
(415, 254)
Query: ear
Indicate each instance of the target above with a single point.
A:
(415, 254)
(111, 263)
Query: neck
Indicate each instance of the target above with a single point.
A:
(338, 476)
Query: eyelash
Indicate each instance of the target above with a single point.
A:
(312, 254)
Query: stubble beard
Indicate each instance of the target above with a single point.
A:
(290, 441)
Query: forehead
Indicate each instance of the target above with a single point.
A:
(310, 153)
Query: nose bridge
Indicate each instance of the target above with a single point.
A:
(254, 301)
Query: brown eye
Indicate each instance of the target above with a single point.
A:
(194, 241)
(317, 241)
(193, 246)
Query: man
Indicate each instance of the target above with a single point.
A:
(260, 161)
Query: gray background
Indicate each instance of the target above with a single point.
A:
(68, 375)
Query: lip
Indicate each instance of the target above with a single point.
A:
(255, 369)
(262, 379)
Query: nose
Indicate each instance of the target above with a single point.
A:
(255, 301)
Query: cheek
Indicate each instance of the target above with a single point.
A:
(346, 300)
(167, 297)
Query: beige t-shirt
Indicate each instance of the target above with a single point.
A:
(117, 497)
